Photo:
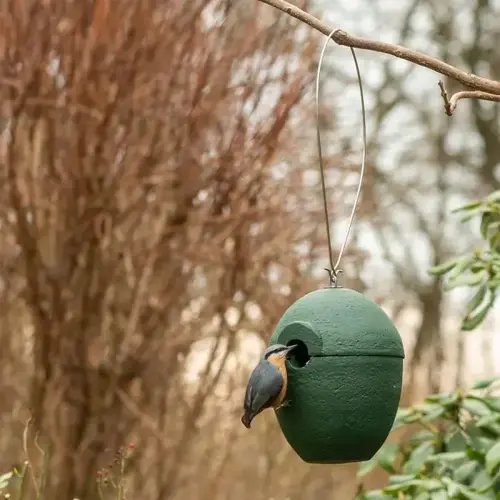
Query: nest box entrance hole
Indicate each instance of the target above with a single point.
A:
(300, 356)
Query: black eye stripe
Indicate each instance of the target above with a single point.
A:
(278, 350)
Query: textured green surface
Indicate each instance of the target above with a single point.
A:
(343, 402)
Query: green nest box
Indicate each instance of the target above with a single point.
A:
(345, 376)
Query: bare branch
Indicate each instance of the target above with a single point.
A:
(446, 99)
(342, 38)
(472, 94)
(450, 103)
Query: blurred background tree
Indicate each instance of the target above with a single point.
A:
(159, 211)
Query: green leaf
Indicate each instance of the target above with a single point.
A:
(451, 400)
(457, 490)
(469, 494)
(478, 267)
(465, 471)
(495, 238)
(430, 411)
(434, 415)
(401, 478)
(444, 399)
(489, 488)
(485, 222)
(425, 495)
(469, 206)
(489, 222)
(420, 436)
(426, 484)
(5, 479)
(418, 458)
(451, 487)
(481, 481)
(475, 455)
(443, 268)
(494, 283)
(476, 300)
(488, 420)
(448, 456)
(414, 417)
(401, 417)
(387, 455)
(463, 280)
(472, 322)
(491, 432)
(475, 407)
(439, 495)
(455, 441)
(484, 384)
(424, 408)
(492, 402)
(493, 459)
(478, 443)
(462, 265)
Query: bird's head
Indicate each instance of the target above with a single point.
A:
(278, 352)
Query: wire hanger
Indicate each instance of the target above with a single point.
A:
(335, 270)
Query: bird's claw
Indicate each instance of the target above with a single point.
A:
(285, 404)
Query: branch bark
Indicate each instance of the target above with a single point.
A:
(450, 103)
(478, 87)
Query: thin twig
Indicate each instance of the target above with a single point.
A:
(450, 103)
(342, 38)
(472, 94)
(45, 465)
(444, 95)
(28, 460)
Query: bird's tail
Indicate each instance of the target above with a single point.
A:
(246, 419)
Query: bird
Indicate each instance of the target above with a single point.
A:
(267, 384)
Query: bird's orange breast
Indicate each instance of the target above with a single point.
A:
(279, 363)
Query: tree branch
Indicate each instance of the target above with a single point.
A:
(481, 88)
(450, 104)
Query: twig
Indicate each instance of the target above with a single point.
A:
(444, 95)
(472, 94)
(489, 88)
(26, 453)
(450, 103)
(45, 465)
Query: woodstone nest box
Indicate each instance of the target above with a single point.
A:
(345, 376)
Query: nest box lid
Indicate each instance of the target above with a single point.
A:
(339, 322)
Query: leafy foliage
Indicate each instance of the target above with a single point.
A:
(454, 453)
(480, 269)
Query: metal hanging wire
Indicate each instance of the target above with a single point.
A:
(334, 270)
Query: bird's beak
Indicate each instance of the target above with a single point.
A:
(291, 348)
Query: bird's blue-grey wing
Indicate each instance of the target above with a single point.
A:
(264, 386)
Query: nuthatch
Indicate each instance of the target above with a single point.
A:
(268, 383)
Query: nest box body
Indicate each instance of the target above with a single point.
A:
(345, 376)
